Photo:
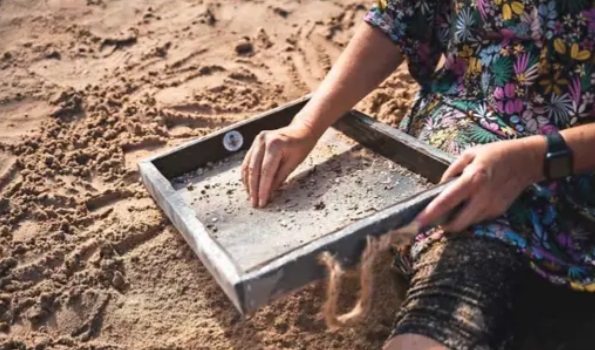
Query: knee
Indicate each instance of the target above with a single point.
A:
(413, 342)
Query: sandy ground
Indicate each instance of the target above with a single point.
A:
(89, 87)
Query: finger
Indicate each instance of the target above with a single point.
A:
(254, 172)
(452, 196)
(245, 168)
(270, 165)
(285, 169)
(471, 213)
(457, 167)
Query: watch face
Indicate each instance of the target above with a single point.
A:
(559, 166)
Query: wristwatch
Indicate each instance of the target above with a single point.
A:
(558, 162)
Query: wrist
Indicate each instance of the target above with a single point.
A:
(310, 128)
(559, 160)
(535, 147)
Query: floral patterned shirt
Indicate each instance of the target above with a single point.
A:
(511, 68)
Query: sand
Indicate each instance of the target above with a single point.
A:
(340, 182)
(89, 87)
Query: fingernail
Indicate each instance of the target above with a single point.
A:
(262, 203)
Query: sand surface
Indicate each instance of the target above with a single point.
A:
(89, 87)
(339, 183)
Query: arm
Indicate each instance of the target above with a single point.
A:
(581, 139)
(493, 175)
(368, 59)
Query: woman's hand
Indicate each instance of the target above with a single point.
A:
(272, 157)
(275, 154)
(491, 177)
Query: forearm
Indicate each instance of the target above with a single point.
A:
(369, 58)
(580, 139)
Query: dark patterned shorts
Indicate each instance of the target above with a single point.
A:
(479, 293)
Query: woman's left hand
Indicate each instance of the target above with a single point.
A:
(491, 177)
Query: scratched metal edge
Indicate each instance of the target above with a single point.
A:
(212, 255)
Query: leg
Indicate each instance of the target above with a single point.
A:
(413, 342)
(463, 295)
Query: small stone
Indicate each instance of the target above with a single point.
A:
(244, 47)
(281, 12)
(190, 187)
(319, 206)
(53, 54)
(118, 280)
(209, 18)
(214, 219)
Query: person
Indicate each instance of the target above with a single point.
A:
(514, 101)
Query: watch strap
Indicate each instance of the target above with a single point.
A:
(555, 143)
(557, 149)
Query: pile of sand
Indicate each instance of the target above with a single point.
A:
(88, 88)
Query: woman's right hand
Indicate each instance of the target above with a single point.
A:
(273, 156)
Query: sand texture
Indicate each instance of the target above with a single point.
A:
(338, 183)
(89, 87)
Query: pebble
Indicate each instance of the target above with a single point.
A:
(118, 280)
(214, 219)
(244, 47)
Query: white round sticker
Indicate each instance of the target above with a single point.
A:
(233, 141)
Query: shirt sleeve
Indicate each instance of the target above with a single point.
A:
(417, 27)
